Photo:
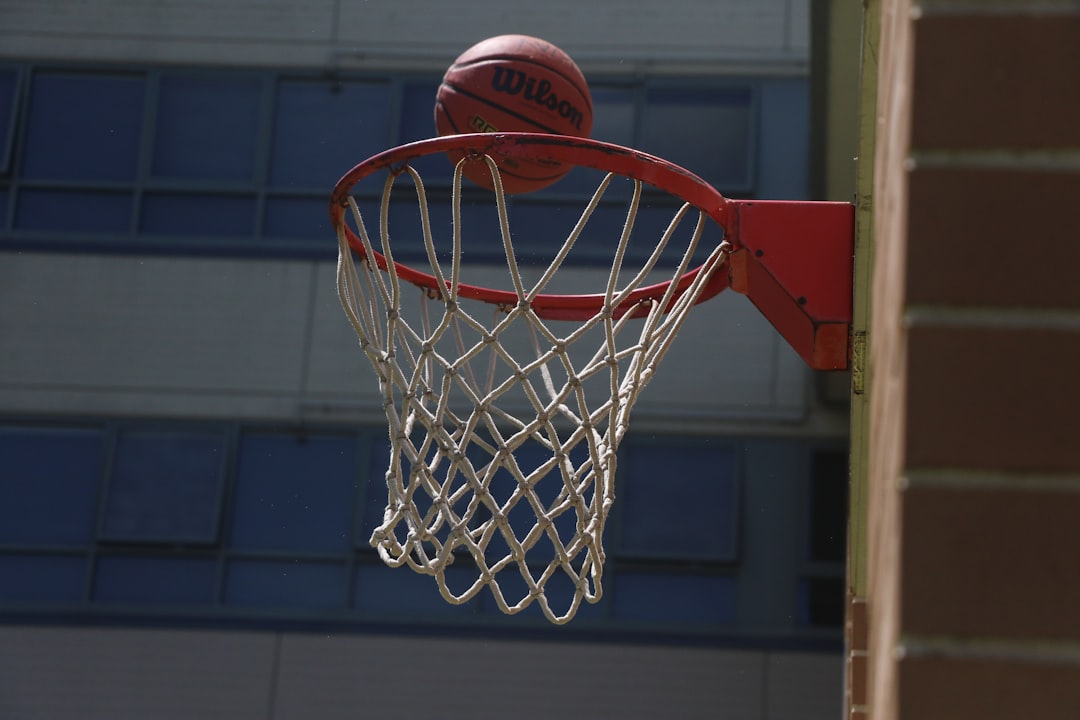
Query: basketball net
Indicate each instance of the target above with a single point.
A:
(504, 430)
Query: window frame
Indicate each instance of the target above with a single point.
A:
(351, 608)
(271, 203)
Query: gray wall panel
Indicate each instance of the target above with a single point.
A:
(703, 35)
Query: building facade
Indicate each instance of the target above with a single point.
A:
(193, 449)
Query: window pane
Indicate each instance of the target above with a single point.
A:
(9, 85)
(324, 128)
(671, 598)
(418, 111)
(705, 130)
(821, 602)
(83, 127)
(375, 492)
(295, 492)
(418, 123)
(207, 127)
(155, 580)
(828, 506)
(42, 578)
(299, 218)
(49, 485)
(548, 488)
(401, 591)
(559, 591)
(165, 487)
(197, 214)
(76, 211)
(257, 583)
(679, 501)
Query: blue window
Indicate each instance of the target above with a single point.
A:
(165, 486)
(49, 483)
(705, 130)
(295, 493)
(42, 578)
(418, 123)
(9, 94)
(680, 501)
(418, 111)
(828, 506)
(74, 211)
(126, 517)
(821, 601)
(84, 127)
(207, 127)
(559, 592)
(288, 584)
(323, 128)
(300, 217)
(155, 580)
(167, 158)
(821, 592)
(382, 590)
(374, 491)
(548, 488)
(675, 598)
(198, 214)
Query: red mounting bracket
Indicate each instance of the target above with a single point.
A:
(794, 260)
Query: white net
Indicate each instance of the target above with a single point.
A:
(504, 431)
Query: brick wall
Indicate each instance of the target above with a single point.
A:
(974, 502)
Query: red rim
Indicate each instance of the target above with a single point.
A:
(607, 157)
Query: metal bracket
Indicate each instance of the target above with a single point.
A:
(794, 260)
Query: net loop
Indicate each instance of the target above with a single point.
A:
(504, 432)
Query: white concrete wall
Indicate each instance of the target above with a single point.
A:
(694, 35)
(267, 339)
(100, 674)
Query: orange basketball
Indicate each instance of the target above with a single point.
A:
(514, 83)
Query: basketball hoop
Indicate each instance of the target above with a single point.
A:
(504, 430)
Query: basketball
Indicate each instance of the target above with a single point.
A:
(514, 83)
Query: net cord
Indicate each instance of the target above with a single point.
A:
(424, 524)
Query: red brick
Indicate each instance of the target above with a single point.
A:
(993, 237)
(996, 81)
(935, 688)
(857, 628)
(994, 398)
(990, 563)
(857, 679)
